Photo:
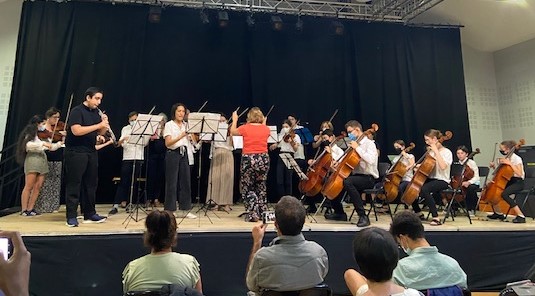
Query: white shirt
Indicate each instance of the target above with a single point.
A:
(36, 145)
(515, 160)
(473, 166)
(300, 153)
(406, 161)
(369, 158)
(336, 152)
(437, 173)
(133, 151)
(174, 130)
(287, 147)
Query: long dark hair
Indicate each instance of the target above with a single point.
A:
(28, 133)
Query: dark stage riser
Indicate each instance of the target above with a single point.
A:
(92, 264)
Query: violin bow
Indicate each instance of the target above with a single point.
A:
(66, 118)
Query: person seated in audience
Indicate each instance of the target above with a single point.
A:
(162, 266)
(376, 254)
(424, 267)
(289, 263)
(15, 272)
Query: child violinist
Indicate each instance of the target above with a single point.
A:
(288, 143)
(471, 185)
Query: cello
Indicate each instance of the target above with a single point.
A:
(500, 177)
(349, 161)
(394, 176)
(427, 164)
(466, 174)
(317, 172)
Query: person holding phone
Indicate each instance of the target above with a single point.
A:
(276, 267)
(15, 271)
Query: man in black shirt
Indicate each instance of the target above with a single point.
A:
(81, 158)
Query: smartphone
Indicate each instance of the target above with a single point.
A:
(268, 217)
(5, 246)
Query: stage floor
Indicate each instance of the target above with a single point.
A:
(53, 224)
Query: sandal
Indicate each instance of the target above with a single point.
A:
(435, 222)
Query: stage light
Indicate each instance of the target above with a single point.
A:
(299, 24)
(276, 22)
(338, 28)
(204, 17)
(250, 21)
(155, 14)
(222, 17)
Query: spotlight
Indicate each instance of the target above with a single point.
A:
(204, 17)
(338, 28)
(276, 22)
(222, 16)
(299, 24)
(250, 21)
(155, 14)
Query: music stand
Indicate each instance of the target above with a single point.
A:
(291, 164)
(144, 127)
(201, 123)
(273, 135)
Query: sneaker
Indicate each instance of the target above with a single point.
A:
(80, 217)
(519, 219)
(336, 217)
(95, 219)
(363, 221)
(185, 214)
(471, 213)
(32, 213)
(72, 222)
(496, 216)
(113, 211)
(24, 213)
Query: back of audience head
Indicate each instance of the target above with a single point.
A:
(376, 254)
(161, 231)
(289, 215)
(407, 223)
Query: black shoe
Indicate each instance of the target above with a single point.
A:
(496, 216)
(363, 221)
(312, 210)
(337, 217)
(113, 211)
(519, 219)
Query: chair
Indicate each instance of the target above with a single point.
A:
(529, 189)
(319, 290)
(447, 291)
(456, 170)
(382, 167)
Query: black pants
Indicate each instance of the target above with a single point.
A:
(284, 179)
(471, 197)
(514, 185)
(177, 180)
(155, 177)
(430, 187)
(123, 190)
(354, 185)
(81, 179)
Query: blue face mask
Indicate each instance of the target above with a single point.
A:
(352, 137)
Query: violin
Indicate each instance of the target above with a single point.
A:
(502, 174)
(394, 176)
(54, 135)
(427, 164)
(349, 161)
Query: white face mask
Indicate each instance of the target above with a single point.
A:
(407, 250)
(132, 122)
(285, 129)
(41, 128)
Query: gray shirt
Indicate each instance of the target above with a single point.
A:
(290, 263)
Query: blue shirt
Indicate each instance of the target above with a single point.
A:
(425, 268)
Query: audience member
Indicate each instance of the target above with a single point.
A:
(376, 254)
(162, 266)
(15, 272)
(424, 268)
(290, 262)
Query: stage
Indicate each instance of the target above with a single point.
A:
(89, 259)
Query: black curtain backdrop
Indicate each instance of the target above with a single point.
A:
(405, 79)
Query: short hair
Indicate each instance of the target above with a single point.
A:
(433, 133)
(93, 90)
(292, 115)
(163, 115)
(133, 113)
(463, 148)
(407, 223)
(161, 230)
(376, 253)
(353, 124)
(174, 107)
(255, 115)
(51, 111)
(399, 142)
(290, 215)
(509, 144)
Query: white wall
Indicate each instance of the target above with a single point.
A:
(515, 76)
(482, 101)
(10, 11)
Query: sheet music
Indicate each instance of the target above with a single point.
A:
(220, 136)
(210, 125)
(273, 135)
(238, 142)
